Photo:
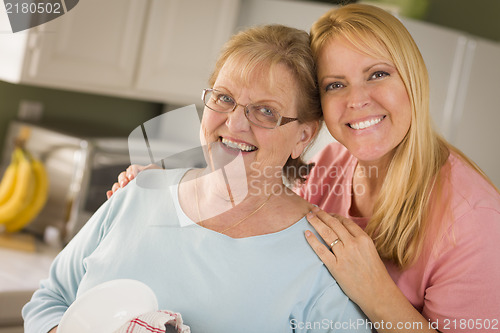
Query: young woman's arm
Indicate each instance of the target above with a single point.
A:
(462, 274)
(354, 262)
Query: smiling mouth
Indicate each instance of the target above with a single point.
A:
(238, 145)
(366, 124)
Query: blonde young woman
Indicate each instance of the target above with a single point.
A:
(228, 260)
(416, 242)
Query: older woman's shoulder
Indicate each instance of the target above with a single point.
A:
(159, 178)
(148, 183)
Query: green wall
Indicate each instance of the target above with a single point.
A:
(115, 116)
(479, 17)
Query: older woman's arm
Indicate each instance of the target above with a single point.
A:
(48, 304)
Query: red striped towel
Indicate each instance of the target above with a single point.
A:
(155, 322)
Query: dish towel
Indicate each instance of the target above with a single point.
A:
(157, 322)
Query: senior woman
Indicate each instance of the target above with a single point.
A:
(243, 269)
(415, 242)
(423, 251)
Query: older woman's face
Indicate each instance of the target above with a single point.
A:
(365, 103)
(265, 151)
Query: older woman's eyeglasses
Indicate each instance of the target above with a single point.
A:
(258, 114)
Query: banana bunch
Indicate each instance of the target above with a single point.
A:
(23, 190)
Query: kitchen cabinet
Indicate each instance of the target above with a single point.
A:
(444, 56)
(94, 45)
(181, 46)
(297, 14)
(159, 50)
(91, 47)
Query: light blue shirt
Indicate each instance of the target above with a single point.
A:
(269, 283)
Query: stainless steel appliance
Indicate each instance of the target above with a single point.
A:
(81, 165)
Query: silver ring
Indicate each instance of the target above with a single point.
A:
(333, 243)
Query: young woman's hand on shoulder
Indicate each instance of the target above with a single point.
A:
(126, 176)
(352, 257)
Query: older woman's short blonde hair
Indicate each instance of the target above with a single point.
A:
(272, 45)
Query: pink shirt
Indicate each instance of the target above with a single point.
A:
(456, 280)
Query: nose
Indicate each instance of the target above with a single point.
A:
(358, 97)
(237, 120)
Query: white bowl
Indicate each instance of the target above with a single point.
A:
(107, 307)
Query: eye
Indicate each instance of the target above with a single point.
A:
(265, 111)
(379, 75)
(262, 114)
(334, 86)
(223, 99)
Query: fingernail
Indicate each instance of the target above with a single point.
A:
(308, 233)
(310, 215)
(315, 209)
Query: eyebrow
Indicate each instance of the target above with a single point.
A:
(261, 101)
(367, 69)
(340, 77)
(222, 89)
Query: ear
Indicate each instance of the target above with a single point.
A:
(307, 132)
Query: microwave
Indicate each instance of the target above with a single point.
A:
(81, 167)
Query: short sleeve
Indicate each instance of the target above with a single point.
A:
(464, 291)
(332, 312)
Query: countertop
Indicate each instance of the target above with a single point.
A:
(21, 270)
(20, 275)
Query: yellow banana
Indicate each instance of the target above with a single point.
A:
(37, 202)
(9, 177)
(22, 194)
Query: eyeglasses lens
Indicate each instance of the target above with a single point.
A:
(260, 115)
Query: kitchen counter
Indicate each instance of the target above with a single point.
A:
(20, 275)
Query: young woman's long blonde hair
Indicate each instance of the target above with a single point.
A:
(398, 223)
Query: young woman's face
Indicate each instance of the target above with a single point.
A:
(364, 101)
(264, 151)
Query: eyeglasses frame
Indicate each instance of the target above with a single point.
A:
(281, 121)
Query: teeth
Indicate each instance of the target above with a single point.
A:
(365, 124)
(237, 145)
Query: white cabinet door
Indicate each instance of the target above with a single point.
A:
(12, 49)
(182, 42)
(94, 45)
(477, 129)
(297, 14)
(444, 52)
